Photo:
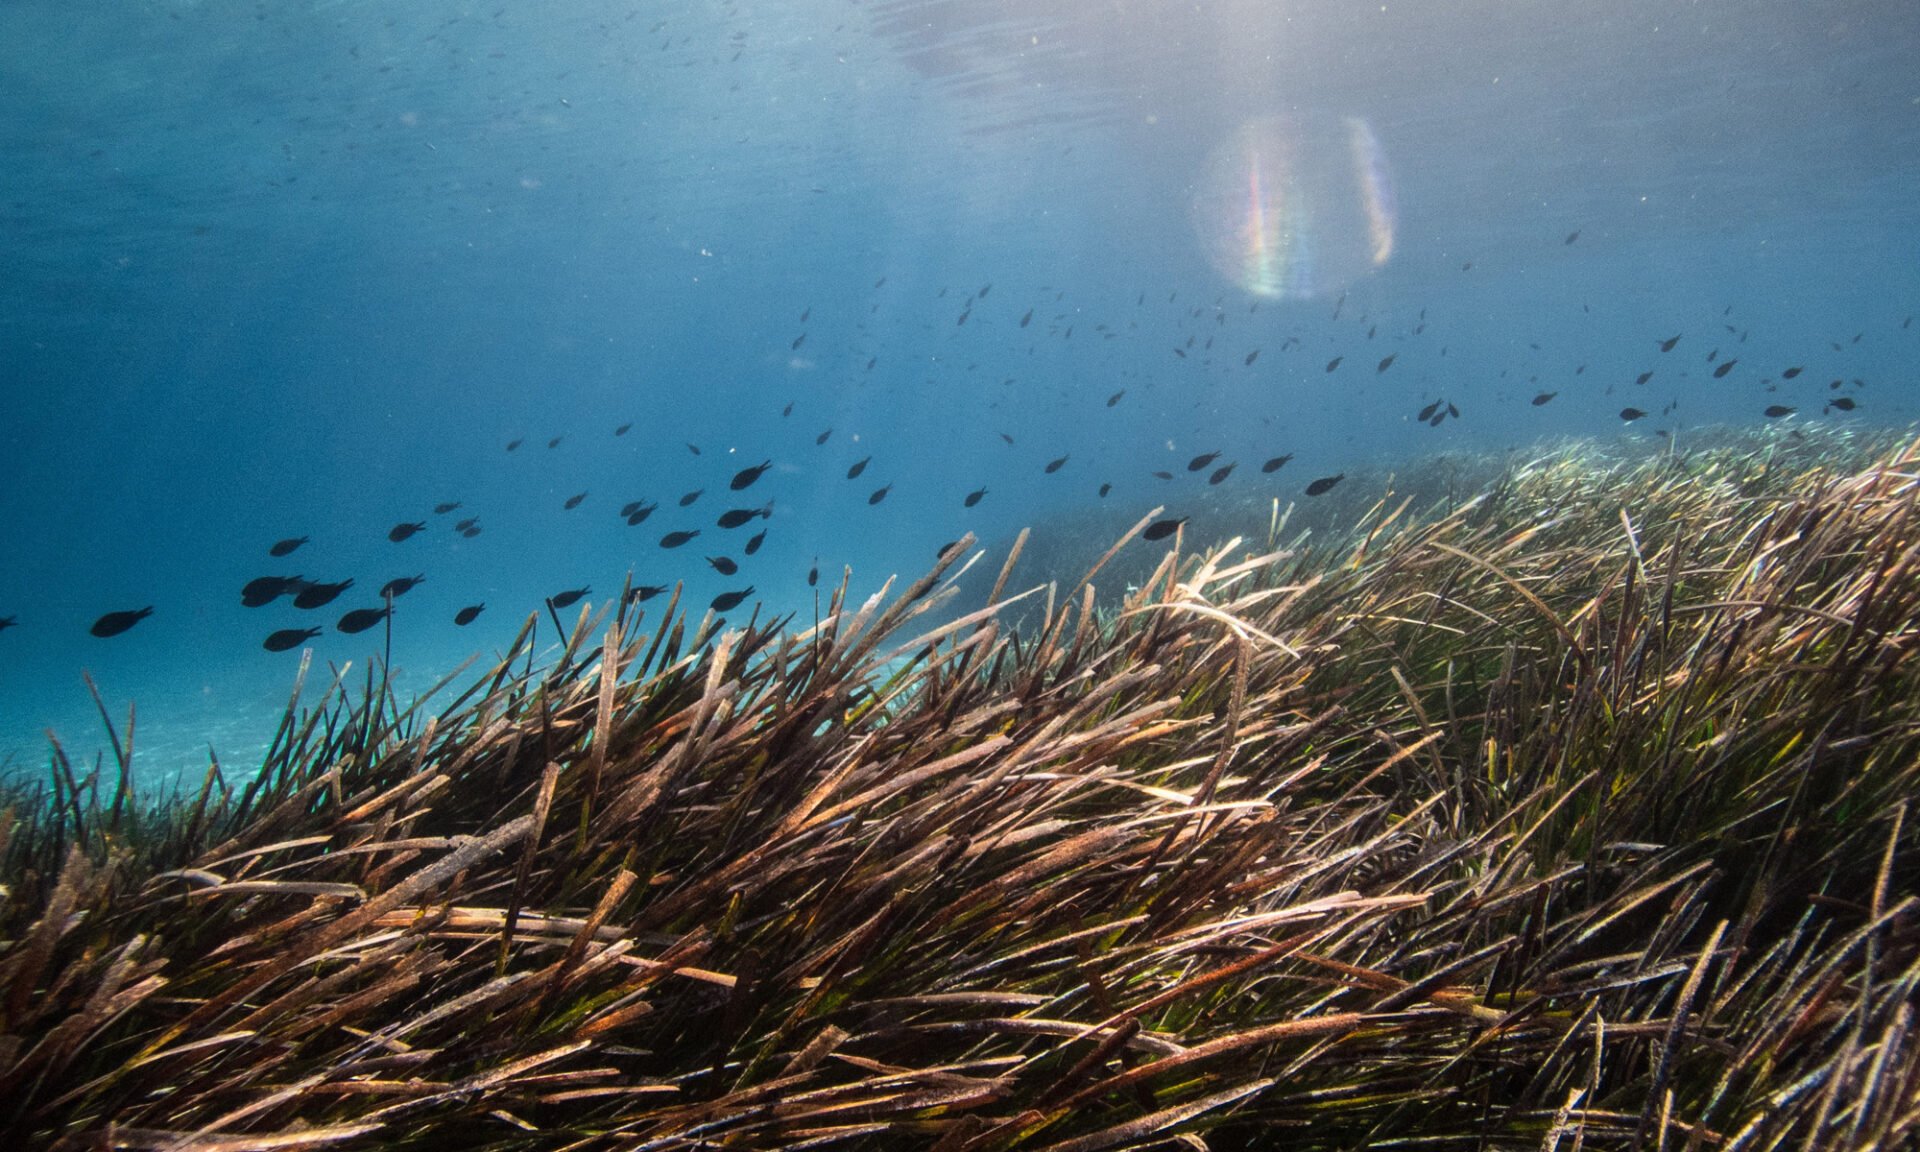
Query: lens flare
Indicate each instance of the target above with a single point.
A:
(1376, 188)
(1291, 208)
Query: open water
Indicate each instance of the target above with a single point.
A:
(273, 270)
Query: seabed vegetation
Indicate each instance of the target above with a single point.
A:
(1571, 814)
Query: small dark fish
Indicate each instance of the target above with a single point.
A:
(963, 317)
(289, 638)
(859, 466)
(1115, 398)
(1572, 236)
(1725, 368)
(400, 585)
(687, 500)
(1161, 529)
(974, 497)
(728, 601)
(1027, 319)
(646, 592)
(1775, 411)
(470, 533)
(1790, 373)
(879, 494)
(1325, 484)
(1334, 363)
(1201, 461)
(623, 429)
(797, 341)
(692, 447)
(1252, 356)
(984, 289)
(555, 442)
(639, 515)
(675, 539)
(822, 438)
(1427, 412)
(515, 444)
(1631, 414)
(736, 517)
(400, 532)
(753, 543)
(1277, 463)
(1006, 437)
(787, 411)
(1386, 363)
(813, 574)
(574, 501)
(1180, 352)
(469, 522)
(114, 623)
(7, 622)
(1452, 411)
(445, 507)
(1844, 403)
(1543, 397)
(723, 565)
(286, 547)
(1055, 465)
(264, 590)
(805, 313)
(630, 507)
(1104, 489)
(468, 614)
(361, 619)
(570, 597)
(319, 595)
(1667, 344)
(1643, 378)
(746, 476)
(1164, 475)
(1221, 473)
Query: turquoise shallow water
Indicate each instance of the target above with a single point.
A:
(309, 269)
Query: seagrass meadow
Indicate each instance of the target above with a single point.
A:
(1568, 812)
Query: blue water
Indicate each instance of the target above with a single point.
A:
(306, 269)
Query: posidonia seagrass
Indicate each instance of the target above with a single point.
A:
(1572, 814)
